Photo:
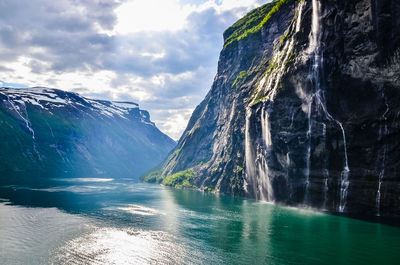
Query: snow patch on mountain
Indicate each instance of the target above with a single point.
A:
(48, 99)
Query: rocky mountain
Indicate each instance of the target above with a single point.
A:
(304, 109)
(49, 133)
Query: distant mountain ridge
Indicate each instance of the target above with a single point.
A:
(50, 133)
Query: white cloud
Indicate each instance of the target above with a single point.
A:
(231, 4)
(160, 54)
(240, 7)
(150, 15)
(168, 15)
(172, 121)
(153, 55)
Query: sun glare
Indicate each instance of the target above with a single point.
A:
(150, 15)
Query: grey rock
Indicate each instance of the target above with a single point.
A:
(301, 139)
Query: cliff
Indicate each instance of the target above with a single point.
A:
(304, 109)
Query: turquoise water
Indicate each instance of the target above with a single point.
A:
(90, 221)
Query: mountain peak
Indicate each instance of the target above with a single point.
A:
(64, 134)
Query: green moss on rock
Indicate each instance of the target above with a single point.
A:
(239, 77)
(253, 21)
(182, 179)
(154, 176)
(208, 189)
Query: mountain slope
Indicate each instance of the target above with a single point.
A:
(49, 133)
(303, 110)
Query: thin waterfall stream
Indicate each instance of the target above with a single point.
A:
(257, 171)
(318, 98)
(383, 164)
(257, 177)
(27, 122)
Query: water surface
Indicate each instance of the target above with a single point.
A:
(91, 221)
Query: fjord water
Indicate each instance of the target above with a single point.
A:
(94, 221)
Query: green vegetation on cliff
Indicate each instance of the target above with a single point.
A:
(154, 176)
(253, 21)
(181, 179)
(240, 76)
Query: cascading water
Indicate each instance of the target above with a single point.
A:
(314, 76)
(26, 121)
(344, 182)
(318, 99)
(309, 131)
(383, 163)
(266, 191)
(257, 171)
(257, 179)
(249, 156)
(326, 189)
(326, 172)
(378, 194)
(314, 49)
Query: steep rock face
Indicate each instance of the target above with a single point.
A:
(49, 133)
(304, 108)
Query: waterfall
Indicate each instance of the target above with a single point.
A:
(326, 189)
(383, 164)
(257, 171)
(378, 194)
(265, 128)
(26, 121)
(266, 192)
(344, 181)
(257, 180)
(319, 99)
(250, 163)
(314, 49)
(308, 164)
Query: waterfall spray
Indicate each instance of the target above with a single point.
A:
(257, 171)
(249, 156)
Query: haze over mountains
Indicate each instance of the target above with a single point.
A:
(48, 133)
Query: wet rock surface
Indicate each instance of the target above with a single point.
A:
(305, 111)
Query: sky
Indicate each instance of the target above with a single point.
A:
(161, 54)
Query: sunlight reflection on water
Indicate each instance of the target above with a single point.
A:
(73, 188)
(85, 179)
(140, 210)
(121, 246)
(129, 223)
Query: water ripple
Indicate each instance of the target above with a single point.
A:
(110, 245)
